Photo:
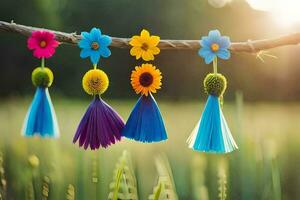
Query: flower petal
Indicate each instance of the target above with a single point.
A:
(224, 42)
(209, 58)
(147, 56)
(84, 43)
(32, 43)
(138, 55)
(37, 34)
(204, 51)
(85, 53)
(53, 43)
(154, 50)
(135, 41)
(224, 54)
(105, 40)
(95, 56)
(145, 34)
(154, 40)
(214, 35)
(135, 51)
(37, 53)
(86, 36)
(95, 34)
(42, 53)
(49, 52)
(104, 52)
(205, 42)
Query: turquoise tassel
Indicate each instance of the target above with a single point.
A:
(212, 134)
(41, 119)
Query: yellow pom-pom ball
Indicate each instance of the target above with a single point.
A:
(95, 82)
(42, 77)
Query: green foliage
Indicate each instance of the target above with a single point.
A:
(198, 169)
(123, 186)
(42, 77)
(250, 169)
(215, 84)
(70, 192)
(3, 183)
(276, 179)
(29, 192)
(273, 185)
(34, 188)
(222, 180)
(165, 187)
(45, 188)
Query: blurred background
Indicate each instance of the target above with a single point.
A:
(168, 19)
(262, 102)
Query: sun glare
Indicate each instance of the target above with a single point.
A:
(284, 12)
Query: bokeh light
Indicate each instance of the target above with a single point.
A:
(284, 12)
(218, 3)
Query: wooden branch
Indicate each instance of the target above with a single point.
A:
(249, 46)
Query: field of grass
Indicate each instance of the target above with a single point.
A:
(266, 166)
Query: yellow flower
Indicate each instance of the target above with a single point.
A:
(33, 161)
(95, 82)
(144, 46)
(146, 79)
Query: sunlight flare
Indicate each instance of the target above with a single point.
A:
(284, 12)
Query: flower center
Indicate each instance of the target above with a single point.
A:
(95, 83)
(215, 47)
(145, 46)
(95, 45)
(43, 43)
(146, 79)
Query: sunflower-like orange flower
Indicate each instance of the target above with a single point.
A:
(146, 79)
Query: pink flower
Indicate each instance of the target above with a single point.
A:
(42, 43)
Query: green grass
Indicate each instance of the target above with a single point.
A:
(265, 167)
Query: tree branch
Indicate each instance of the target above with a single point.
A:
(249, 46)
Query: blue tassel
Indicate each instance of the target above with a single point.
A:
(145, 123)
(212, 134)
(41, 118)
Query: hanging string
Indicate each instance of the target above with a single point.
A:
(43, 63)
(215, 65)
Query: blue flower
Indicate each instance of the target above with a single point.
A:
(94, 45)
(214, 45)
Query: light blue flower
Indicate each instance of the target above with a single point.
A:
(94, 45)
(214, 45)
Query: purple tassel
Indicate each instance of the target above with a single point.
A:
(101, 126)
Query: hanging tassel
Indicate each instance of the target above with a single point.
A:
(100, 126)
(145, 123)
(212, 134)
(41, 118)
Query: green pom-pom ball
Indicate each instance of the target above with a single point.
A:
(42, 77)
(215, 84)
